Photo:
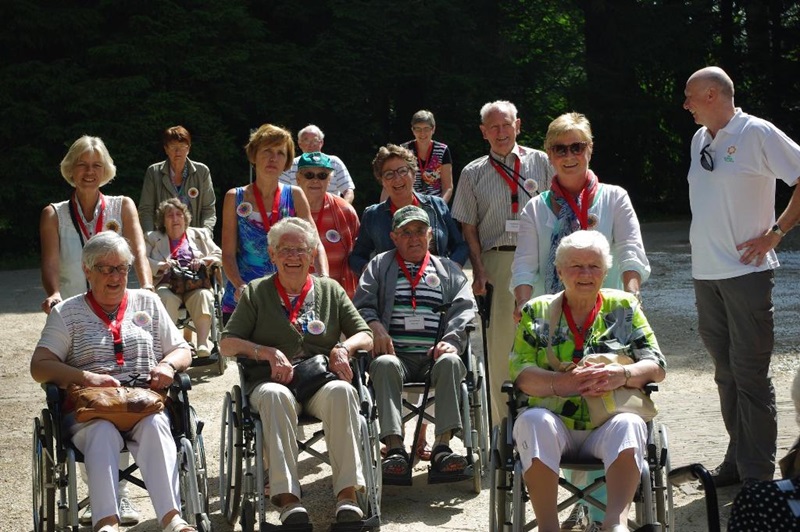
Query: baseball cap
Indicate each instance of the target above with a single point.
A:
(315, 159)
(407, 214)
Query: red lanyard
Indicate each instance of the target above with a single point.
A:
(579, 336)
(583, 212)
(510, 180)
(294, 310)
(393, 207)
(115, 325)
(276, 203)
(79, 216)
(318, 220)
(424, 167)
(414, 281)
(173, 249)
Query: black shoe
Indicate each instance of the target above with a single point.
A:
(725, 475)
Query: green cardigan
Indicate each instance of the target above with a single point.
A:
(260, 317)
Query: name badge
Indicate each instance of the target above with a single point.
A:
(512, 226)
(415, 323)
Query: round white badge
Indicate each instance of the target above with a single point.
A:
(432, 280)
(244, 209)
(193, 192)
(141, 319)
(592, 221)
(333, 235)
(530, 186)
(316, 327)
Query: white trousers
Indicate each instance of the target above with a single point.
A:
(539, 433)
(198, 302)
(153, 448)
(336, 405)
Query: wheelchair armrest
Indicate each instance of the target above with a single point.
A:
(53, 394)
(650, 387)
(507, 387)
(182, 382)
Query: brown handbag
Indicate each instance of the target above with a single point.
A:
(182, 280)
(124, 406)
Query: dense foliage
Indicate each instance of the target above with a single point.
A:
(125, 69)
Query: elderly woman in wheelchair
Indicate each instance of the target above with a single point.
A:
(175, 247)
(551, 364)
(281, 322)
(99, 339)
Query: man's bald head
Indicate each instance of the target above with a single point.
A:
(716, 77)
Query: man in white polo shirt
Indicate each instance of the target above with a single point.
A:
(736, 162)
(310, 139)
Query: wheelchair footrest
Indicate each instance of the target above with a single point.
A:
(437, 477)
(269, 527)
(213, 358)
(398, 480)
(357, 526)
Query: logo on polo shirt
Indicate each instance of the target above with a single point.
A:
(731, 150)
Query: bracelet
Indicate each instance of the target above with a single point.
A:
(341, 345)
(170, 364)
(149, 287)
(627, 375)
(255, 348)
(552, 385)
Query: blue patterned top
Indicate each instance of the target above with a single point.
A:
(252, 258)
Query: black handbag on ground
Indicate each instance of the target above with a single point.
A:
(310, 374)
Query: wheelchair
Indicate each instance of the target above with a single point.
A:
(55, 495)
(185, 322)
(509, 502)
(474, 419)
(241, 470)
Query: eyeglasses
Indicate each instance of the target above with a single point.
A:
(401, 172)
(418, 233)
(576, 148)
(422, 129)
(288, 252)
(322, 176)
(122, 269)
(706, 159)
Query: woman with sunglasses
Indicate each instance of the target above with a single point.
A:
(337, 221)
(395, 169)
(576, 200)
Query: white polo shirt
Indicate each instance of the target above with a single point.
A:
(340, 181)
(736, 201)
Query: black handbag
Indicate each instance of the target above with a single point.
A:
(310, 374)
(182, 280)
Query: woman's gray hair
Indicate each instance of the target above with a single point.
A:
(423, 116)
(584, 240)
(567, 123)
(104, 244)
(81, 146)
(164, 206)
(294, 226)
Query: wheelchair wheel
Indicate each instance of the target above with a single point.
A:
(665, 512)
(518, 500)
(200, 464)
(248, 517)
(44, 492)
(370, 499)
(230, 466)
(499, 493)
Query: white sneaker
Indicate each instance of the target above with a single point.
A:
(128, 516)
(203, 351)
(86, 516)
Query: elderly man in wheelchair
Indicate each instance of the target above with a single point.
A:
(401, 295)
(98, 339)
(562, 388)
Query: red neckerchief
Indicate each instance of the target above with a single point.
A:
(115, 325)
(173, 249)
(579, 336)
(417, 278)
(318, 220)
(98, 226)
(393, 207)
(276, 203)
(510, 180)
(294, 310)
(587, 197)
(424, 167)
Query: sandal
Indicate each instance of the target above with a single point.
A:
(179, 524)
(446, 461)
(348, 511)
(396, 463)
(423, 451)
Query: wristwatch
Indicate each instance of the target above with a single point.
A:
(778, 231)
(627, 375)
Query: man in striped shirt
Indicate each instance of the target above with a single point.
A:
(397, 296)
(310, 139)
(490, 194)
